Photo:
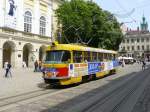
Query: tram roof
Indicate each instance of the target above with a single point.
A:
(79, 48)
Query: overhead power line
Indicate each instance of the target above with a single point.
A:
(127, 13)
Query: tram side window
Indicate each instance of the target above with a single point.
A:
(105, 56)
(100, 56)
(94, 56)
(77, 56)
(114, 56)
(66, 56)
(87, 56)
(110, 56)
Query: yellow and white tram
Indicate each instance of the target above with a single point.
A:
(70, 63)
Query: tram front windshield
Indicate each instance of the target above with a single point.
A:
(57, 56)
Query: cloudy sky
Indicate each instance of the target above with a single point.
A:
(128, 11)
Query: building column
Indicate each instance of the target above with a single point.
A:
(20, 15)
(49, 21)
(31, 59)
(36, 54)
(1, 56)
(35, 25)
(13, 58)
(33, 56)
(1, 53)
(18, 58)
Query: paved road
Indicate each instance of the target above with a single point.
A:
(25, 80)
(120, 97)
(66, 99)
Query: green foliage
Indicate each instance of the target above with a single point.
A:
(84, 21)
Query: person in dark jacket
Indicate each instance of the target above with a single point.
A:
(143, 65)
(36, 66)
(8, 70)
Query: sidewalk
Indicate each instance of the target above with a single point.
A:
(22, 80)
(132, 67)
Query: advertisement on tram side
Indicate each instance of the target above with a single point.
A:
(78, 69)
(93, 68)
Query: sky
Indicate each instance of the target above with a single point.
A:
(128, 11)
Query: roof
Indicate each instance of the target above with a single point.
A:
(79, 48)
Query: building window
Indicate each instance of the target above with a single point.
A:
(42, 25)
(27, 21)
(128, 48)
(142, 47)
(142, 40)
(127, 40)
(133, 48)
(123, 41)
(138, 47)
(123, 49)
(138, 40)
(147, 39)
(132, 40)
(147, 47)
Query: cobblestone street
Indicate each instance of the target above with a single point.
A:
(22, 81)
(143, 104)
(26, 80)
(74, 56)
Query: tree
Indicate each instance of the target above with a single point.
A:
(113, 35)
(84, 21)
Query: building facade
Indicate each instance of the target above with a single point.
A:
(136, 43)
(26, 28)
(137, 46)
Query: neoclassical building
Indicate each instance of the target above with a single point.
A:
(26, 28)
(136, 43)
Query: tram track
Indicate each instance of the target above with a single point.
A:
(24, 97)
(111, 98)
(116, 99)
(129, 92)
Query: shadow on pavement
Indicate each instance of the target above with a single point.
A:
(48, 86)
(76, 100)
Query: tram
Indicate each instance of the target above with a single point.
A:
(67, 64)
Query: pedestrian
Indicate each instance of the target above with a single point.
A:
(123, 63)
(40, 65)
(143, 65)
(5, 65)
(8, 70)
(24, 64)
(36, 66)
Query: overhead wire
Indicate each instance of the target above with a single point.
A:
(128, 14)
(125, 14)
(122, 7)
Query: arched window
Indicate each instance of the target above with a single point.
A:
(27, 21)
(42, 25)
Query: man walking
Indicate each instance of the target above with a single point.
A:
(36, 66)
(8, 70)
(143, 65)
